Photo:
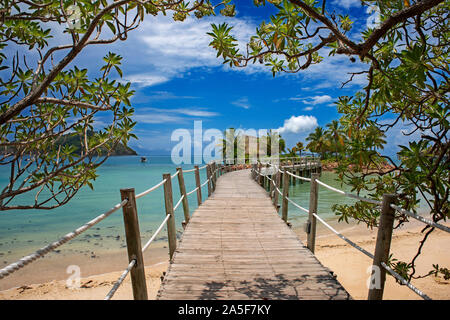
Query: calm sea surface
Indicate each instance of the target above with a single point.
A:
(22, 232)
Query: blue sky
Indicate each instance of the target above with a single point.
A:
(178, 79)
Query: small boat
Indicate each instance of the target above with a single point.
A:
(143, 159)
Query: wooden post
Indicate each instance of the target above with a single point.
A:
(197, 185)
(260, 177)
(313, 198)
(213, 173)
(271, 188)
(185, 201)
(168, 201)
(134, 248)
(276, 195)
(382, 246)
(284, 201)
(208, 176)
(293, 172)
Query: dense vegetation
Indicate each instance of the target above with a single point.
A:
(44, 97)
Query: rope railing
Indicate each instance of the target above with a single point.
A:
(422, 219)
(11, 268)
(146, 192)
(132, 263)
(347, 194)
(43, 251)
(298, 177)
(118, 283)
(175, 174)
(191, 192)
(204, 183)
(406, 283)
(156, 233)
(178, 203)
(297, 205)
(340, 235)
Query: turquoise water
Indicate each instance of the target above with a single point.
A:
(24, 231)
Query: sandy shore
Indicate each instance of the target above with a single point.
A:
(350, 266)
(353, 267)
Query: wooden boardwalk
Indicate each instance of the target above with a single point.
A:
(237, 247)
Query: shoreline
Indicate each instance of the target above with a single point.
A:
(331, 166)
(349, 265)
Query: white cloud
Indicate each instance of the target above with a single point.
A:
(318, 99)
(347, 3)
(171, 48)
(296, 124)
(166, 95)
(151, 115)
(154, 118)
(188, 111)
(146, 80)
(242, 103)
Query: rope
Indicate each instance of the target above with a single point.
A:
(191, 192)
(133, 262)
(298, 206)
(343, 237)
(347, 194)
(204, 183)
(156, 233)
(415, 216)
(150, 190)
(191, 170)
(392, 272)
(298, 177)
(175, 174)
(44, 250)
(120, 280)
(278, 190)
(178, 203)
(203, 167)
(406, 283)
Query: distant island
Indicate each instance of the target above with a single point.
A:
(74, 140)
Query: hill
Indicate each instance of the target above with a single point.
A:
(119, 150)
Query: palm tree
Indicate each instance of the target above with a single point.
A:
(317, 141)
(335, 133)
(273, 135)
(299, 147)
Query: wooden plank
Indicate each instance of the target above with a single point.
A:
(236, 246)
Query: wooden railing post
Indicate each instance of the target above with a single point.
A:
(284, 201)
(313, 198)
(133, 238)
(197, 185)
(276, 195)
(293, 172)
(382, 247)
(271, 186)
(260, 176)
(214, 175)
(208, 176)
(168, 201)
(185, 201)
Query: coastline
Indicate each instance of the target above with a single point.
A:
(349, 265)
